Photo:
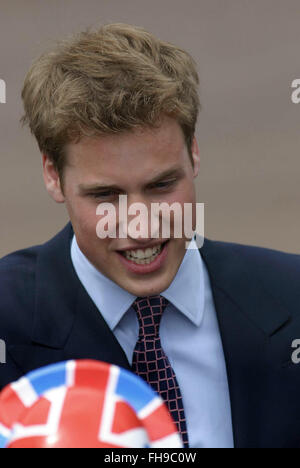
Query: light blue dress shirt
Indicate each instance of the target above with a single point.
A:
(189, 334)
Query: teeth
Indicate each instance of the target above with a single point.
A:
(142, 256)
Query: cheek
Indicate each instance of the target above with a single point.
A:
(181, 221)
(83, 217)
(182, 196)
(96, 249)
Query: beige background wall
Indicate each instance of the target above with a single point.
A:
(248, 52)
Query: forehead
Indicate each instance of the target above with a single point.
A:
(144, 147)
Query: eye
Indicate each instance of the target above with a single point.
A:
(98, 195)
(165, 184)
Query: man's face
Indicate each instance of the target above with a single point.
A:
(132, 163)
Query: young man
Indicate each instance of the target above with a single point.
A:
(211, 329)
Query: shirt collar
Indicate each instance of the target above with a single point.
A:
(186, 292)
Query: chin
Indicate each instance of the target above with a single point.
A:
(151, 290)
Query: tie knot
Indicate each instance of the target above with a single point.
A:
(149, 312)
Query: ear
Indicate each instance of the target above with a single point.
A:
(196, 157)
(51, 179)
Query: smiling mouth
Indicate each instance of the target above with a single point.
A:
(143, 256)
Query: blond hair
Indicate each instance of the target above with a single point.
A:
(115, 79)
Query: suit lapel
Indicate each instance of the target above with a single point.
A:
(247, 317)
(91, 338)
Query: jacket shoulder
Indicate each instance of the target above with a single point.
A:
(252, 253)
(20, 259)
(17, 291)
(260, 258)
(276, 271)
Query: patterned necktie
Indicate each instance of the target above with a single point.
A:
(151, 363)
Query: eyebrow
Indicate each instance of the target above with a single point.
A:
(177, 171)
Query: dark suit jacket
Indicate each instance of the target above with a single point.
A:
(46, 316)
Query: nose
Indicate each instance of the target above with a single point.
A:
(138, 224)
